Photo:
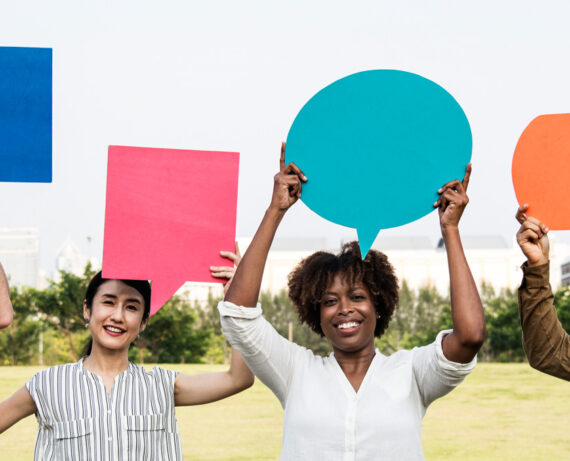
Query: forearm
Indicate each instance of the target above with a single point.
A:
(6, 310)
(466, 308)
(546, 343)
(246, 284)
(209, 387)
(15, 408)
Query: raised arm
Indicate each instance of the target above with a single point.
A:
(244, 289)
(16, 407)
(6, 311)
(466, 310)
(545, 342)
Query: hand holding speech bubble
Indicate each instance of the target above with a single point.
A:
(375, 147)
(540, 170)
(168, 214)
(25, 114)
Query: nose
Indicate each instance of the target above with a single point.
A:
(117, 314)
(344, 306)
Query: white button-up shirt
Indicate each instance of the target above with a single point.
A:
(325, 418)
(78, 420)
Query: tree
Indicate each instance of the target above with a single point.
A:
(172, 335)
(61, 305)
(19, 341)
(503, 327)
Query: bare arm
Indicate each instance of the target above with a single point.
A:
(15, 408)
(6, 311)
(244, 289)
(466, 309)
(209, 387)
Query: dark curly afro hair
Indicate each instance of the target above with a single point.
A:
(313, 275)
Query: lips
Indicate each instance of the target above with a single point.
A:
(347, 327)
(113, 330)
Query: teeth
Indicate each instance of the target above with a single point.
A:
(344, 326)
(114, 330)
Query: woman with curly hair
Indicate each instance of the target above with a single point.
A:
(356, 404)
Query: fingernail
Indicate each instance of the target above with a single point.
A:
(439, 191)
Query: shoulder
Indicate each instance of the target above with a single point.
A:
(56, 371)
(159, 374)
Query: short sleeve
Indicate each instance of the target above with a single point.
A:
(436, 375)
(166, 378)
(34, 386)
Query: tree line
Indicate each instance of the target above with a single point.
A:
(49, 329)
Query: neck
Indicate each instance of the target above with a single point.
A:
(106, 362)
(355, 361)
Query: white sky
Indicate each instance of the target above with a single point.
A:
(232, 75)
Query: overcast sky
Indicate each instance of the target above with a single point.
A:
(232, 75)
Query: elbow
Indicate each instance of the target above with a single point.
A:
(249, 382)
(473, 339)
(246, 382)
(6, 318)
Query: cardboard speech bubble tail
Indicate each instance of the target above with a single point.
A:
(366, 237)
(162, 291)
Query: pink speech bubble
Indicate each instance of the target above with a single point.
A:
(169, 212)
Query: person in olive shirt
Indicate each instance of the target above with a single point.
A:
(545, 342)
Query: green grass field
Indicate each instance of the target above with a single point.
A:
(501, 412)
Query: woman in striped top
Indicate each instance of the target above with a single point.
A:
(106, 408)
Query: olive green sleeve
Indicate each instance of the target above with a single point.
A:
(546, 343)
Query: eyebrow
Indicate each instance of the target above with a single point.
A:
(130, 300)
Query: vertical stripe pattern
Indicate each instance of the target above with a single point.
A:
(78, 420)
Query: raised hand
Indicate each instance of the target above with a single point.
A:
(452, 201)
(287, 184)
(532, 238)
(227, 272)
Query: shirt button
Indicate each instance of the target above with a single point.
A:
(108, 412)
(109, 439)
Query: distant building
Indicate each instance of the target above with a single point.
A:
(70, 259)
(19, 254)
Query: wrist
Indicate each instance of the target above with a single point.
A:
(449, 231)
(274, 211)
(537, 262)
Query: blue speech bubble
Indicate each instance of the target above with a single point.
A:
(375, 147)
(25, 114)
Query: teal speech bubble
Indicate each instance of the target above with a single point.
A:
(375, 147)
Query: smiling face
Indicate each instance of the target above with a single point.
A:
(348, 316)
(115, 316)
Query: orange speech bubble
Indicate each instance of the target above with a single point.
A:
(541, 164)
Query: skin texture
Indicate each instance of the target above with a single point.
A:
(116, 305)
(344, 304)
(355, 354)
(532, 238)
(6, 310)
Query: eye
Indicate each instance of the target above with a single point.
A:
(358, 297)
(132, 307)
(108, 302)
(328, 302)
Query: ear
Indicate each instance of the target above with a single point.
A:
(143, 325)
(86, 310)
